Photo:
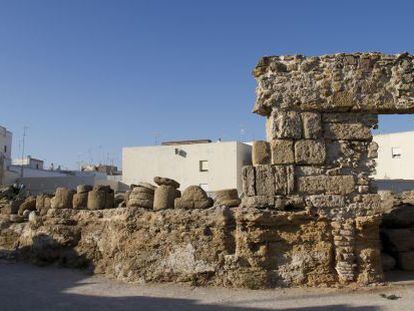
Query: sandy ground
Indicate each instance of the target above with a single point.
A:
(27, 287)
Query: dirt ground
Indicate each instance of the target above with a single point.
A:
(27, 287)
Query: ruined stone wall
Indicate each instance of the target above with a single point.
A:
(319, 153)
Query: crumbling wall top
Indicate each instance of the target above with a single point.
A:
(357, 82)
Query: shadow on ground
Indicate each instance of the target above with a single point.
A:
(25, 287)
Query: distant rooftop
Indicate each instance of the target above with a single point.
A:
(185, 142)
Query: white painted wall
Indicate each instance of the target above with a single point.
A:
(5, 142)
(389, 167)
(225, 160)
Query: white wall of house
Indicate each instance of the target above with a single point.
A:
(5, 142)
(395, 156)
(213, 166)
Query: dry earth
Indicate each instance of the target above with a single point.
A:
(27, 287)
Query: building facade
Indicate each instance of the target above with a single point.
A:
(213, 166)
(395, 156)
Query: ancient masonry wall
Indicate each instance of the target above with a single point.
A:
(309, 214)
(319, 153)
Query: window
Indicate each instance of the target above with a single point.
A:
(203, 166)
(396, 152)
(5, 149)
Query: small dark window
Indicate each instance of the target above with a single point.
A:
(5, 148)
(203, 166)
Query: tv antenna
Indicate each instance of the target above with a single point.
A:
(25, 128)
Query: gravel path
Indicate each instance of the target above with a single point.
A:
(27, 287)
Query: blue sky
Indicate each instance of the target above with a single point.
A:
(89, 77)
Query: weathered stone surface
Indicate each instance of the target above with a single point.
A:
(370, 82)
(144, 203)
(326, 201)
(312, 127)
(310, 152)
(249, 180)
(258, 201)
(63, 198)
(83, 188)
(146, 186)
(101, 197)
(282, 151)
(260, 152)
(284, 182)
(29, 204)
(80, 200)
(164, 197)
(164, 181)
(265, 182)
(227, 197)
(347, 131)
(193, 197)
(284, 124)
(326, 184)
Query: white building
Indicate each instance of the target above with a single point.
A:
(5, 143)
(213, 166)
(395, 156)
(29, 162)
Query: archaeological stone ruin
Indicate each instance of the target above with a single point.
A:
(309, 214)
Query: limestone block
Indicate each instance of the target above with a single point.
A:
(303, 170)
(139, 189)
(63, 198)
(284, 182)
(164, 181)
(193, 197)
(310, 152)
(371, 82)
(140, 203)
(325, 201)
(146, 186)
(373, 150)
(83, 188)
(28, 205)
(406, 261)
(260, 152)
(258, 202)
(227, 197)
(282, 151)
(347, 131)
(42, 201)
(249, 180)
(322, 184)
(164, 197)
(265, 184)
(312, 128)
(141, 196)
(284, 124)
(80, 200)
(101, 197)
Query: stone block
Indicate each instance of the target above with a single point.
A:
(284, 124)
(164, 197)
(310, 152)
(265, 180)
(326, 200)
(258, 202)
(83, 188)
(282, 151)
(227, 197)
(260, 152)
(284, 182)
(347, 131)
(249, 180)
(164, 181)
(80, 200)
(322, 184)
(311, 122)
(63, 198)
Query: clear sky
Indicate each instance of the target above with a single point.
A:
(89, 77)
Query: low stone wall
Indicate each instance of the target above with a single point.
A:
(216, 246)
